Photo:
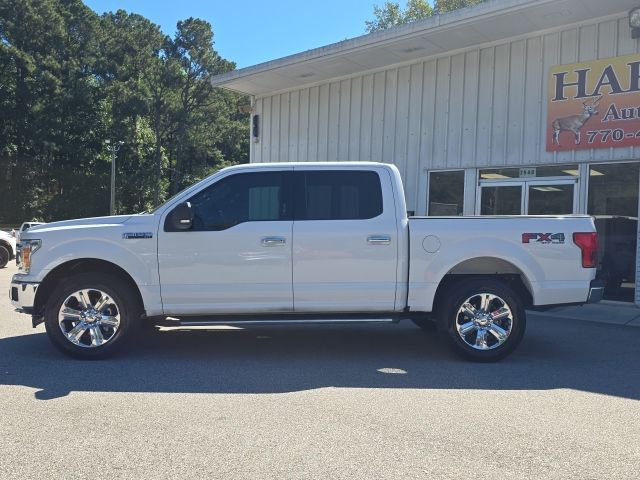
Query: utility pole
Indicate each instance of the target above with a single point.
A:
(113, 148)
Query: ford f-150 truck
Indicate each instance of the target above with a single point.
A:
(301, 243)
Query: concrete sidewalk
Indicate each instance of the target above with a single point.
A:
(617, 313)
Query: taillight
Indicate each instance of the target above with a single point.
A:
(588, 243)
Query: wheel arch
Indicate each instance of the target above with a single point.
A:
(71, 267)
(487, 267)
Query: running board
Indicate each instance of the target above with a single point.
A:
(212, 323)
(279, 320)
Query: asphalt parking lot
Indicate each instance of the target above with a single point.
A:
(360, 402)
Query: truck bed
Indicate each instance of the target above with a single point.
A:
(540, 249)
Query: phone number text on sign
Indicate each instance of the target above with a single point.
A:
(616, 135)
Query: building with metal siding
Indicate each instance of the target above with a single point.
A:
(465, 91)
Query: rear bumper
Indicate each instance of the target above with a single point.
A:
(596, 291)
(22, 295)
(571, 297)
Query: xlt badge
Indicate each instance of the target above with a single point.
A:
(135, 235)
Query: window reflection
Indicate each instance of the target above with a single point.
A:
(613, 200)
(446, 193)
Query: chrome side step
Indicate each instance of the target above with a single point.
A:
(280, 319)
(296, 321)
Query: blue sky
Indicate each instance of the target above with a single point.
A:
(253, 31)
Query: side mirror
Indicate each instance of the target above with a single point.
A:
(181, 218)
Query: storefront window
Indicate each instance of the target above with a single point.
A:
(501, 200)
(550, 199)
(446, 193)
(613, 201)
(613, 189)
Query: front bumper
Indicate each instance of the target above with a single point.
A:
(596, 291)
(23, 294)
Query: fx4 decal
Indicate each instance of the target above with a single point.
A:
(543, 238)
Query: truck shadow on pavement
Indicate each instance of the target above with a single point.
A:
(555, 354)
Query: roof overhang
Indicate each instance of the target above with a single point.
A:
(491, 21)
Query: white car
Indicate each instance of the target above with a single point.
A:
(7, 248)
(301, 243)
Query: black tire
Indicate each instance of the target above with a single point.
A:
(5, 256)
(125, 301)
(450, 318)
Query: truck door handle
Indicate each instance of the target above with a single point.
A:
(379, 240)
(273, 241)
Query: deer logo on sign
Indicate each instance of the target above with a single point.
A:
(574, 123)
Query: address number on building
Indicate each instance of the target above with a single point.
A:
(527, 172)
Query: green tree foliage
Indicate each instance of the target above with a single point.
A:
(444, 6)
(392, 14)
(386, 16)
(70, 79)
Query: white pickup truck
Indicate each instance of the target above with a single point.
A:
(301, 243)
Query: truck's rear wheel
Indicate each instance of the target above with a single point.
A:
(90, 316)
(483, 319)
(5, 256)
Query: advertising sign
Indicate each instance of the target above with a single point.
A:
(594, 104)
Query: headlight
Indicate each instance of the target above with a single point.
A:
(27, 249)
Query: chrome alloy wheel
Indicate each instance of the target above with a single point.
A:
(484, 321)
(89, 318)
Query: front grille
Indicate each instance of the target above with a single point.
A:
(14, 294)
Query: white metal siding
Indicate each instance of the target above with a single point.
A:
(481, 107)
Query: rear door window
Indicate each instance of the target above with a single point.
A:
(338, 195)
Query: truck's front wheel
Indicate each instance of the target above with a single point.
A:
(482, 318)
(89, 316)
